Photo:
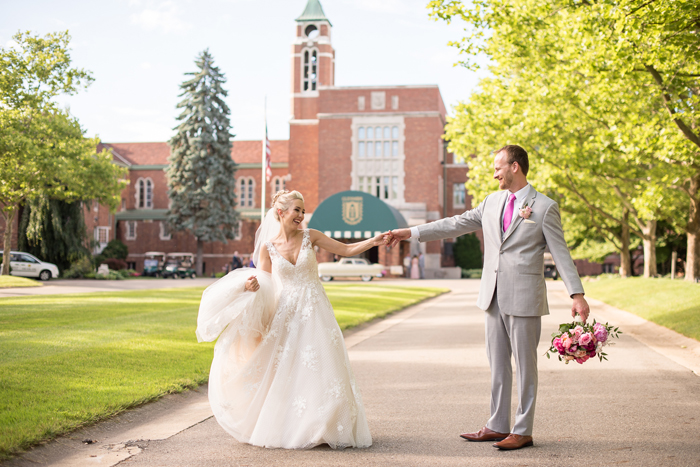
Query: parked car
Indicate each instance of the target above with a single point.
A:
(153, 264)
(179, 266)
(26, 265)
(550, 269)
(350, 267)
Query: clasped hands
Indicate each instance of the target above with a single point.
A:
(393, 237)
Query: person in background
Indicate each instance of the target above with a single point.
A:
(421, 265)
(415, 268)
(236, 262)
(407, 265)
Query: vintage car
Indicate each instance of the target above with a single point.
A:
(550, 269)
(26, 265)
(350, 267)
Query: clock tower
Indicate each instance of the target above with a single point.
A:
(313, 69)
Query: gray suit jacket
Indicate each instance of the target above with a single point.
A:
(514, 261)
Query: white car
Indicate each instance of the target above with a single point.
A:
(350, 267)
(26, 265)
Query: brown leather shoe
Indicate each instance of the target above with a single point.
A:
(514, 441)
(484, 435)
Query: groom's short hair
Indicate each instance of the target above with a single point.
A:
(516, 154)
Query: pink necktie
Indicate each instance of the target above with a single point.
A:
(508, 216)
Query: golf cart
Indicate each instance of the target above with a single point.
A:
(153, 263)
(179, 266)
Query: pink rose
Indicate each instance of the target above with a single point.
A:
(582, 359)
(525, 212)
(580, 353)
(578, 330)
(585, 338)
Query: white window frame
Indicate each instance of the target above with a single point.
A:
(243, 193)
(455, 189)
(137, 195)
(163, 227)
(239, 235)
(128, 230)
(361, 167)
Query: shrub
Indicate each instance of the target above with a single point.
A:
(115, 249)
(467, 251)
(81, 268)
(471, 273)
(115, 263)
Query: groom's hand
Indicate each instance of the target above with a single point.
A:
(398, 235)
(580, 306)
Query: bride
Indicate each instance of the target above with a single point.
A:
(280, 377)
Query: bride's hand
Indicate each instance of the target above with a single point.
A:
(379, 240)
(251, 285)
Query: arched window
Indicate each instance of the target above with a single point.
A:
(144, 193)
(149, 193)
(140, 193)
(246, 192)
(310, 70)
(279, 184)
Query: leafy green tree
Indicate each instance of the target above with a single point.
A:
(201, 185)
(43, 150)
(467, 252)
(564, 88)
(59, 231)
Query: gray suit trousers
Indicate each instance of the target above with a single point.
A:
(519, 336)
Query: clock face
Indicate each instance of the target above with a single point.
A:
(311, 31)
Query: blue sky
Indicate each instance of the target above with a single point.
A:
(138, 51)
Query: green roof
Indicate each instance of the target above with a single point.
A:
(313, 12)
(354, 214)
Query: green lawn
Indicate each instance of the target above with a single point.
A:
(70, 360)
(674, 304)
(14, 281)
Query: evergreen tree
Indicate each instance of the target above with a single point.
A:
(54, 231)
(200, 175)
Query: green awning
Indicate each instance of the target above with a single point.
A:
(354, 214)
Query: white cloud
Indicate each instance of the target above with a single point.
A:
(165, 17)
(146, 65)
(11, 44)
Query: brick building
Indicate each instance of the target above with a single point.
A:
(382, 140)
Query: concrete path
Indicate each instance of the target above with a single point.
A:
(425, 379)
(65, 286)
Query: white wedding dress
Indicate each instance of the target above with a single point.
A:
(281, 377)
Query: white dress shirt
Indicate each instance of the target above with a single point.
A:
(520, 196)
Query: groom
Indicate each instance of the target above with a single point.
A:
(518, 223)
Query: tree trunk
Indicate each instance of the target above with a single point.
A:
(649, 240)
(625, 257)
(7, 247)
(692, 261)
(200, 257)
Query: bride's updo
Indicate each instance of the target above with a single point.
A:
(283, 200)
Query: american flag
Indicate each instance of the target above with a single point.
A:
(268, 158)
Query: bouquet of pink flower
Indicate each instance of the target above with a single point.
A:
(579, 342)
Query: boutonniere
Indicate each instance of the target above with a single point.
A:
(525, 211)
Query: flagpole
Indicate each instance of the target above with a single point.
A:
(264, 166)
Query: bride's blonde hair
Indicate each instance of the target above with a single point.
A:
(283, 200)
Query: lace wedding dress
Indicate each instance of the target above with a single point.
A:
(281, 377)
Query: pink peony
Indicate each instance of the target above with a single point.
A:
(585, 339)
(526, 212)
(566, 340)
(600, 332)
(558, 345)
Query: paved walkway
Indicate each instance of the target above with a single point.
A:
(65, 286)
(425, 379)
